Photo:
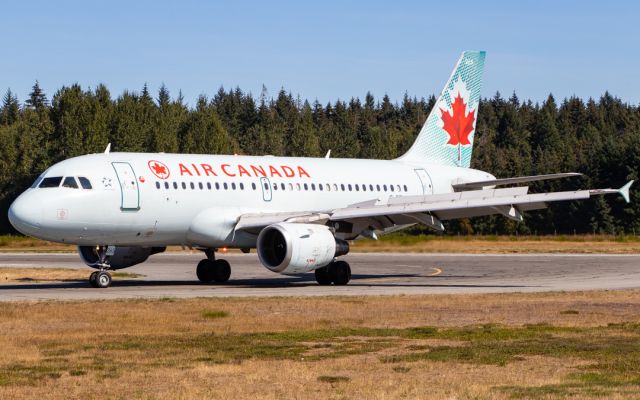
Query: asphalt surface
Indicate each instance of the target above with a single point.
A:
(173, 275)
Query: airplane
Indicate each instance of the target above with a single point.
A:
(298, 213)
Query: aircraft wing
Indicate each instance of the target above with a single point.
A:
(509, 181)
(430, 210)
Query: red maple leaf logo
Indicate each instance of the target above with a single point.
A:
(159, 169)
(457, 125)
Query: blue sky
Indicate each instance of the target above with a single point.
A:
(321, 50)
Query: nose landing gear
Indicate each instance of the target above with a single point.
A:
(212, 270)
(99, 258)
(100, 279)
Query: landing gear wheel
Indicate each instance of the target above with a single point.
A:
(213, 270)
(204, 270)
(322, 276)
(222, 271)
(92, 279)
(102, 279)
(340, 272)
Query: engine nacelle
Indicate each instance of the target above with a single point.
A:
(289, 248)
(123, 257)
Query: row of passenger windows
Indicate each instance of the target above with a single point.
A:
(68, 182)
(290, 186)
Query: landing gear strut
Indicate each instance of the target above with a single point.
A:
(338, 273)
(212, 270)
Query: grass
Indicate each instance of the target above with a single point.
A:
(214, 314)
(451, 346)
(423, 243)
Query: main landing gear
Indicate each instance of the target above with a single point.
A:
(212, 270)
(338, 273)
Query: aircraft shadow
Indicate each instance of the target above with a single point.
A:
(275, 282)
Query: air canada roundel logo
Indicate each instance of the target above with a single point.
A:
(159, 169)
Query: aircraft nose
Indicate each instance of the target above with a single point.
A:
(25, 214)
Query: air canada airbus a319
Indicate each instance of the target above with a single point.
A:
(298, 212)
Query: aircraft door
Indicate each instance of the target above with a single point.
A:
(266, 188)
(425, 180)
(130, 199)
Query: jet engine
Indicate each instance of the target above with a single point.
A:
(122, 257)
(289, 248)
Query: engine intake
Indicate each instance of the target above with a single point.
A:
(289, 248)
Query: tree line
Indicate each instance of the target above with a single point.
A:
(599, 138)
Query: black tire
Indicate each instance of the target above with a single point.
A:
(340, 272)
(92, 279)
(322, 276)
(221, 271)
(204, 270)
(103, 279)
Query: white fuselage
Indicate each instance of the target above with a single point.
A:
(154, 199)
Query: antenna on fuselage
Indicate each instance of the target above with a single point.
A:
(328, 154)
(108, 149)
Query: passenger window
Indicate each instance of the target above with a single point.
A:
(357, 187)
(306, 187)
(275, 186)
(320, 186)
(378, 187)
(298, 188)
(364, 188)
(225, 186)
(184, 185)
(391, 187)
(291, 186)
(313, 186)
(241, 186)
(175, 185)
(398, 187)
(342, 187)
(217, 186)
(405, 188)
(384, 187)
(157, 185)
(70, 182)
(349, 185)
(200, 185)
(253, 185)
(371, 188)
(282, 186)
(166, 185)
(51, 182)
(85, 183)
(335, 187)
(209, 185)
(233, 185)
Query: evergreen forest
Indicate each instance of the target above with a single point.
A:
(597, 137)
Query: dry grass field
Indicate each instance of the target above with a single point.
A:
(423, 244)
(546, 345)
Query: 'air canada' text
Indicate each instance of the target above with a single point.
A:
(239, 170)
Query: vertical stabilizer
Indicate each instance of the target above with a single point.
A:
(447, 136)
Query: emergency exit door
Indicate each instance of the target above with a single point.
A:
(266, 189)
(425, 180)
(130, 200)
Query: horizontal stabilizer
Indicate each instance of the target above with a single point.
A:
(510, 181)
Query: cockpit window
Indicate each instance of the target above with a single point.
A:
(36, 182)
(70, 182)
(84, 182)
(51, 182)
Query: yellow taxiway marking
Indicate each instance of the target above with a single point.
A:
(436, 271)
